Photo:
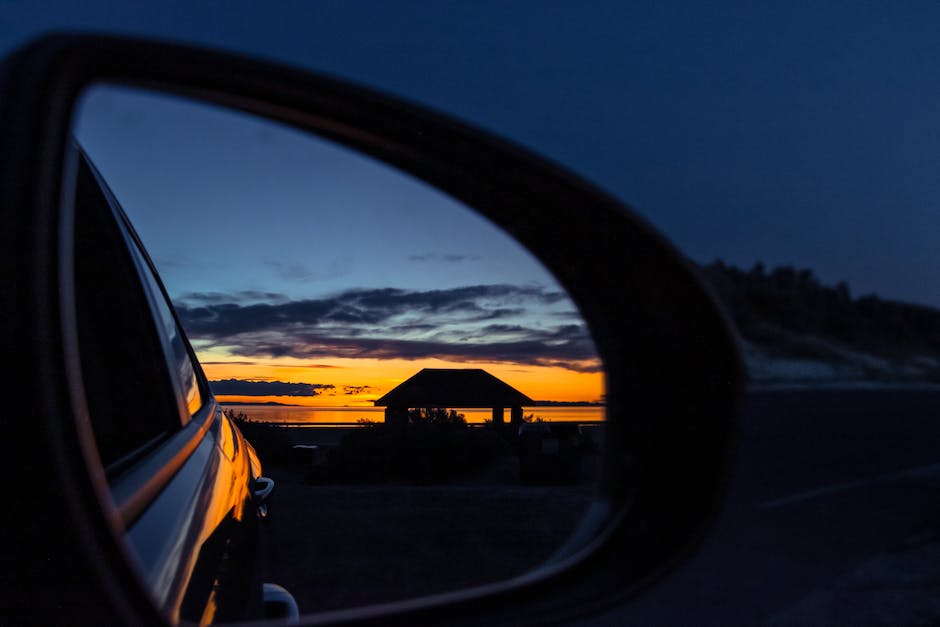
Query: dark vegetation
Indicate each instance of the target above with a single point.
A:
(436, 446)
(788, 312)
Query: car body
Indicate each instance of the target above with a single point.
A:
(186, 484)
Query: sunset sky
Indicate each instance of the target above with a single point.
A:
(305, 273)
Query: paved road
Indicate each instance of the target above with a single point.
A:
(833, 517)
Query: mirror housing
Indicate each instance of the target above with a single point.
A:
(674, 373)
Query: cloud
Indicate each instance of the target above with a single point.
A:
(412, 327)
(455, 324)
(567, 315)
(210, 298)
(265, 364)
(292, 271)
(561, 348)
(176, 261)
(443, 258)
(243, 387)
(214, 317)
(349, 390)
(228, 363)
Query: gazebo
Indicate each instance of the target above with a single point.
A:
(469, 388)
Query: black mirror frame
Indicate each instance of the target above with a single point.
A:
(674, 373)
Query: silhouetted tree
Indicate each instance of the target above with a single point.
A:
(436, 416)
(789, 312)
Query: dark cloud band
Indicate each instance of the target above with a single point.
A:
(474, 324)
(242, 387)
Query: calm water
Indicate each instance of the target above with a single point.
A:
(333, 415)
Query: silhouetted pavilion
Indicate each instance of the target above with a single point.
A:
(471, 388)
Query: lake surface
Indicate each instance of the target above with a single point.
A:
(350, 415)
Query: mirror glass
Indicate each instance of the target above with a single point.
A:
(423, 393)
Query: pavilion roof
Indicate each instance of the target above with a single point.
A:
(454, 387)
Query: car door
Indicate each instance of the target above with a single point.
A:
(179, 473)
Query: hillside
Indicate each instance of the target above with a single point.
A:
(797, 330)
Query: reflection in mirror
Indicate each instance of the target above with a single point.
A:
(423, 393)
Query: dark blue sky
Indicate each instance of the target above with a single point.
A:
(807, 133)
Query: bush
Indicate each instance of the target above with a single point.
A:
(436, 416)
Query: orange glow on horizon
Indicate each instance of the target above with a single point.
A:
(359, 382)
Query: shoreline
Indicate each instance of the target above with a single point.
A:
(358, 425)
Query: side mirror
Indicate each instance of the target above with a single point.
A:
(264, 487)
(673, 372)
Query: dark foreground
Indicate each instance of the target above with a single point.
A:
(832, 518)
(373, 515)
(344, 546)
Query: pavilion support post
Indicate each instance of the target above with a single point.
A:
(396, 416)
(498, 416)
(515, 417)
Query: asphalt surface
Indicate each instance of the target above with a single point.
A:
(832, 517)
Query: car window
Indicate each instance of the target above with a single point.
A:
(128, 391)
(181, 365)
